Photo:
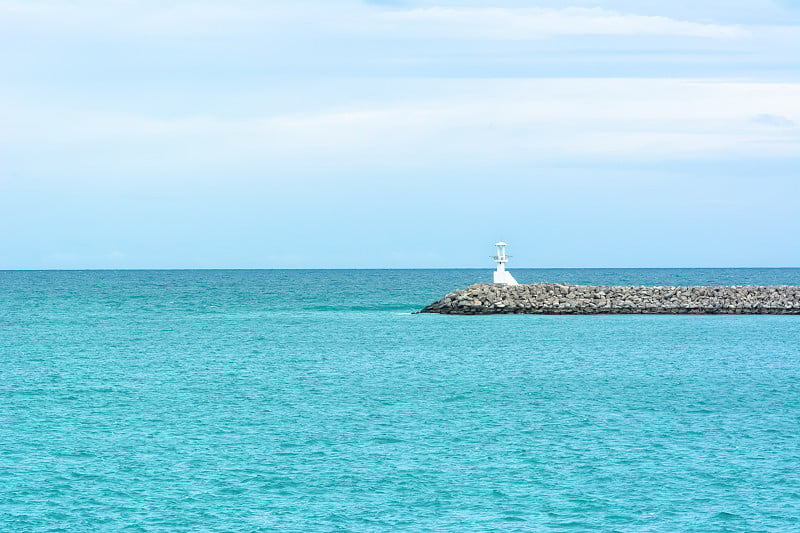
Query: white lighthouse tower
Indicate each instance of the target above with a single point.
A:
(501, 275)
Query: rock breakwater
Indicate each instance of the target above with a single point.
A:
(560, 299)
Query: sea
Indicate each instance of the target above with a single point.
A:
(315, 400)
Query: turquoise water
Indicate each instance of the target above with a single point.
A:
(313, 401)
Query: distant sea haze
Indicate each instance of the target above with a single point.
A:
(313, 400)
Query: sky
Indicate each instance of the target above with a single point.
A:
(399, 134)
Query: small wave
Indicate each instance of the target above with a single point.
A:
(723, 515)
(359, 308)
(387, 440)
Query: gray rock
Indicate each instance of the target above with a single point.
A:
(549, 298)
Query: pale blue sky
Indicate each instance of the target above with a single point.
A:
(303, 134)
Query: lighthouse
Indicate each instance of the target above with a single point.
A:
(501, 275)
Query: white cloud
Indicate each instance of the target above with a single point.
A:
(534, 23)
(215, 16)
(741, 11)
(776, 121)
(471, 121)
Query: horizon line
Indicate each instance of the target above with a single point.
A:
(178, 269)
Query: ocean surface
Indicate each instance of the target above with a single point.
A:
(302, 400)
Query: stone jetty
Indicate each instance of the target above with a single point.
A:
(561, 299)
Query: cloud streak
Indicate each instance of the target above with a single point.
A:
(539, 23)
(214, 17)
(484, 122)
(213, 41)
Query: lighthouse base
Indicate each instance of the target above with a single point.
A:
(505, 277)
